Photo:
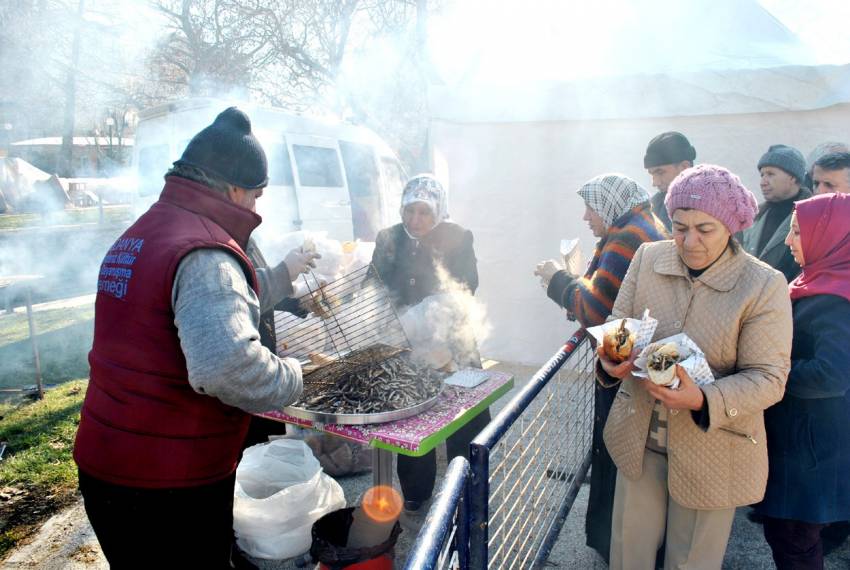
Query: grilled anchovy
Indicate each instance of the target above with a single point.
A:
(376, 379)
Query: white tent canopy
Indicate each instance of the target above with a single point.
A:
(505, 42)
(513, 153)
(789, 88)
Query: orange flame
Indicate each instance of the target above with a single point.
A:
(382, 504)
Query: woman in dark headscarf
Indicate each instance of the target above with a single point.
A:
(808, 440)
(618, 211)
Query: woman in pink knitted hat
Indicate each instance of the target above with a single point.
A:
(687, 457)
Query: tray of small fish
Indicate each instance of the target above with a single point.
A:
(373, 385)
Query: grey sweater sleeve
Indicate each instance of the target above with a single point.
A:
(275, 286)
(217, 314)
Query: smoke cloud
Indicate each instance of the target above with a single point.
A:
(445, 329)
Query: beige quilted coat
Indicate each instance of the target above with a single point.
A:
(739, 313)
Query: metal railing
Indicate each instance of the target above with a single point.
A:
(443, 541)
(527, 465)
(526, 468)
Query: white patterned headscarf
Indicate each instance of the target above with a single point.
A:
(428, 190)
(612, 195)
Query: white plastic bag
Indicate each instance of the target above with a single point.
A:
(280, 492)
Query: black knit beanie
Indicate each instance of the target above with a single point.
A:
(668, 148)
(787, 158)
(227, 149)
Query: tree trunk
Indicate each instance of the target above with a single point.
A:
(426, 75)
(66, 163)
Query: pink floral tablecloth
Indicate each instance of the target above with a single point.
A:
(455, 406)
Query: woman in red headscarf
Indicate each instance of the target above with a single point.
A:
(808, 438)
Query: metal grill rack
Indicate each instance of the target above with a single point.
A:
(352, 330)
(347, 316)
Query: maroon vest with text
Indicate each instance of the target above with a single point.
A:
(142, 424)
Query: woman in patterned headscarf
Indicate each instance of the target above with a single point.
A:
(618, 211)
(407, 254)
(409, 258)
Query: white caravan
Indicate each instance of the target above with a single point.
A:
(323, 176)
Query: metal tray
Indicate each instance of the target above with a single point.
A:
(361, 419)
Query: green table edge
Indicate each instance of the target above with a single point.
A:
(439, 437)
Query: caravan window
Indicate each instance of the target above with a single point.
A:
(394, 175)
(153, 161)
(360, 169)
(280, 169)
(317, 166)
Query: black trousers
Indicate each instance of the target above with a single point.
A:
(418, 474)
(796, 545)
(260, 429)
(161, 528)
(603, 477)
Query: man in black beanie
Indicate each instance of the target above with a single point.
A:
(667, 155)
(783, 170)
(177, 364)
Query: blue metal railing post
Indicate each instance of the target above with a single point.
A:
(462, 526)
(479, 452)
(479, 494)
(438, 524)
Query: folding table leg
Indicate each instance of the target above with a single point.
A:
(382, 467)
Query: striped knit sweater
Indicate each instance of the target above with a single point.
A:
(589, 299)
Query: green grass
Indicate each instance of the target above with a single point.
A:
(15, 221)
(40, 437)
(37, 474)
(15, 327)
(70, 216)
(64, 338)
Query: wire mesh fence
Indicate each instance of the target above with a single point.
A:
(527, 466)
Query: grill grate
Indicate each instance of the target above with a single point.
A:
(352, 324)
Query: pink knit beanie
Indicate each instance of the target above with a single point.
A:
(715, 191)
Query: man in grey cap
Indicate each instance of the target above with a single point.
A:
(782, 170)
(667, 155)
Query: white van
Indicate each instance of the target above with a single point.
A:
(323, 176)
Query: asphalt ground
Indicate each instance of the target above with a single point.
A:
(66, 541)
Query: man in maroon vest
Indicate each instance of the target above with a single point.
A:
(177, 363)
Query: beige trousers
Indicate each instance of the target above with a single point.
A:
(644, 511)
